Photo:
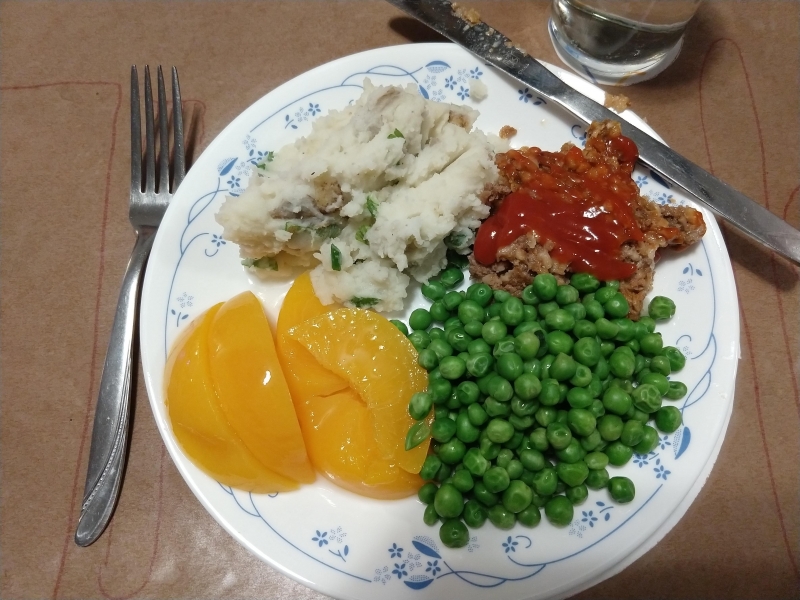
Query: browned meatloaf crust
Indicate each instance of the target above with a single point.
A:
(518, 263)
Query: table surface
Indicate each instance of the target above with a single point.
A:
(729, 103)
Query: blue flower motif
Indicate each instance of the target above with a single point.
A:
(433, 567)
(685, 286)
(641, 180)
(640, 459)
(588, 517)
(661, 472)
(437, 95)
(217, 240)
(399, 570)
(463, 93)
(450, 82)
(320, 538)
(476, 73)
(664, 198)
(664, 442)
(395, 552)
(313, 108)
(525, 95)
(234, 181)
(509, 545)
(185, 300)
(429, 81)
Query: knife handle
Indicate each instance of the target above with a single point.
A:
(111, 429)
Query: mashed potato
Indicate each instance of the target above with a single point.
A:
(374, 195)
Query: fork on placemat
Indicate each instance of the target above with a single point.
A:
(112, 416)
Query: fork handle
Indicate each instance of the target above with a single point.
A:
(111, 429)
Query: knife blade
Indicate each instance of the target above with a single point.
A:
(496, 49)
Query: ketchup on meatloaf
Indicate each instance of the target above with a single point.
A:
(577, 211)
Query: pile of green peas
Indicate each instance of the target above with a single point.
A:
(534, 397)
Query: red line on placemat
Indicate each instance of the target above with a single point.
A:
(147, 579)
(756, 389)
(103, 227)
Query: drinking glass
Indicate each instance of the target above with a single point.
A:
(619, 42)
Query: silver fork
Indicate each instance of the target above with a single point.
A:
(112, 416)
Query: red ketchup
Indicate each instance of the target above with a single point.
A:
(586, 211)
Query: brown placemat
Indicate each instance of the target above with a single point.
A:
(730, 103)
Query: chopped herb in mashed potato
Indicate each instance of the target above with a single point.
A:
(372, 197)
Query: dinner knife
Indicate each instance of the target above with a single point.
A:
(497, 50)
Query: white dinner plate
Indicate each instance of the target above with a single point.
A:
(353, 547)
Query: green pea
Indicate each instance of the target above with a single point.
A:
(579, 398)
(545, 481)
(594, 310)
(601, 369)
(530, 517)
(545, 415)
(559, 342)
(453, 402)
(558, 435)
(572, 473)
(443, 430)
(606, 330)
(621, 364)
(581, 421)
(668, 419)
(480, 293)
(607, 348)
(496, 479)
(465, 430)
(479, 365)
(501, 517)
(648, 442)
(517, 496)
(451, 277)
(492, 312)
(495, 408)
(521, 423)
(479, 346)
(596, 460)
(618, 453)
(499, 431)
(504, 346)
(577, 495)
(440, 389)
(516, 439)
(626, 330)
(509, 366)
(430, 516)
(597, 408)
(563, 367)
(676, 390)
(469, 310)
(651, 344)
(419, 339)
(475, 462)
(582, 377)
(511, 312)
(474, 514)
(592, 441)
(621, 489)
(452, 367)
(560, 319)
(559, 511)
(632, 433)
(584, 282)
(658, 380)
(605, 293)
(500, 388)
(473, 328)
(427, 493)
(453, 322)
(660, 364)
(587, 351)
(527, 386)
(527, 345)
(597, 479)
(633, 345)
(477, 415)
(420, 405)
(572, 453)
(550, 393)
(532, 460)
(420, 319)
(529, 297)
(610, 427)
(545, 308)
(433, 290)
(444, 473)
(483, 495)
(676, 358)
(661, 308)
(400, 325)
(430, 467)
(439, 311)
(463, 481)
(616, 306)
(617, 401)
(647, 398)
(538, 438)
(529, 314)
(545, 286)
(451, 300)
(458, 339)
(452, 451)
(448, 501)
(493, 331)
(577, 310)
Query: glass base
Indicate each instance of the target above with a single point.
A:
(604, 73)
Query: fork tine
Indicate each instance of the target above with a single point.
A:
(179, 158)
(163, 159)
(136, 135)
(149, 132)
